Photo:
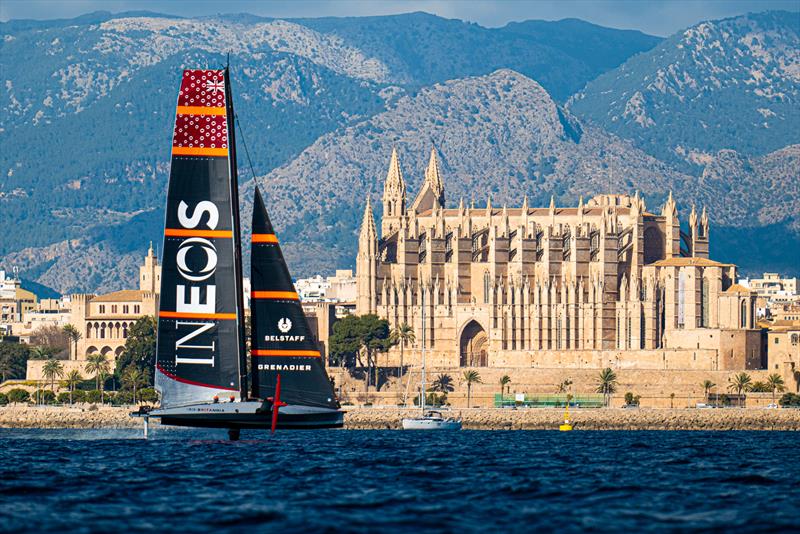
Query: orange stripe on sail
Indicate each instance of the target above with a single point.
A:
(291, 295)
(190, 232)
(198, 151)
(200, 110)
(290, 353)
(186, 315)
(265, 238)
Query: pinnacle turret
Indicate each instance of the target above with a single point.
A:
(368, 231)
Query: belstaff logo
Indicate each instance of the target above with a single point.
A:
(284, 324)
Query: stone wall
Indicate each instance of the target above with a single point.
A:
(655, 387)
(23, 416)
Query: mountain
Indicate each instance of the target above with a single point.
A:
(719, 85)
(422, 49)
(88, 105)
(87, 109)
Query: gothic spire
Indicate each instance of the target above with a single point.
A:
(433, 177)
(368, 231)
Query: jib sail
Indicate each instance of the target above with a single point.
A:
(282, 341)
(200, 340)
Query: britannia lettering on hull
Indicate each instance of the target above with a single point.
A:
(201, 367)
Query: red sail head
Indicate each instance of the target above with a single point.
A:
(200, 125)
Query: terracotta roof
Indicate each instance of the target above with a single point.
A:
(688, 262)
(736, 288)
(126, 295)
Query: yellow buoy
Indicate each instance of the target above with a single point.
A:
(567, 426)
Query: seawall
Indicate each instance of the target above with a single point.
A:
(20, 416)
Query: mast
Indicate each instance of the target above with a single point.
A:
(422, 384)
(237, 232)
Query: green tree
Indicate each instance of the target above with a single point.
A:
(3, 399)
(740, 383)
(148, 395)
(41, 352)
(345, 341)
(776, 384)
(134, 378)
(72, 380)
(504, 381)
(140, 348)
(357, 335)
(401, 335)
(13, 360)
(374, 339)
(97, 365)
(51, 370)
(708, 385)
(607, 384)
(471, 377)
(18, 395)
(94, 396)
(74, 336)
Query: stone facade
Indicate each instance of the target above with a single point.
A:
(606, 282)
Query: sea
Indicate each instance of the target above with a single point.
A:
(187, 480)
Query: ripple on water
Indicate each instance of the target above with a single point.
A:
(394, 481)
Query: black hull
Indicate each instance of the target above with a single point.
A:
(230, 417)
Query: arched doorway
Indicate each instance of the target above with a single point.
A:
(474, 346)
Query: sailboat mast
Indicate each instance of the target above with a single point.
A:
(237, 237)
(422, 384)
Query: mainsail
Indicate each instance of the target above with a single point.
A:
(282, 342)
(200, 341)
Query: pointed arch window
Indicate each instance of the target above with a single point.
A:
(486, 287)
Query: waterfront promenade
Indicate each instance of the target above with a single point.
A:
(477, 418)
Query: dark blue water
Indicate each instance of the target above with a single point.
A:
(187, 480)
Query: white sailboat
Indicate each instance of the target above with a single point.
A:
(431, 419)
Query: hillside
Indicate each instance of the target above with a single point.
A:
(726, 84)
(88, 104)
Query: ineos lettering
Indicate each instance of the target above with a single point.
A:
(182, 344)
(205, 206)
(204, 210)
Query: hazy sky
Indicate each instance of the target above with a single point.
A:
(655, 17)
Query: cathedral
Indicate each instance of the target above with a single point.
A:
(604, 283)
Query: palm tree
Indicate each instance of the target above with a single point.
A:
(708, 385)
(471, 377)
(74, 335)
(133, 377)
(97, 365)
(504, 381)
(607, 384)
(71, 381)
(52, 369)
(401, 335)
(740, 382)
(564, 386)
(775, 382)
(443, 384)
(41, 353)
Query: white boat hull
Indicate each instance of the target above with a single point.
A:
(430, 423)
